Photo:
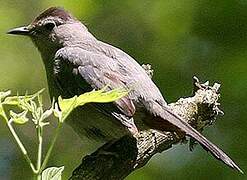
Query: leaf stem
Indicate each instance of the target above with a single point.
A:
(21, 146)
(47, 156)
(39, 152)
(40, 144)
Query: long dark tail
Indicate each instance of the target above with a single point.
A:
(190, 131)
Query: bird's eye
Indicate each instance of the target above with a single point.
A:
(49, 26)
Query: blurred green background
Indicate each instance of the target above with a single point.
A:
(179, 38)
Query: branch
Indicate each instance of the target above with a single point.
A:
(117, 159)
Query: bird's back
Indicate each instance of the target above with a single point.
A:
(125, 69)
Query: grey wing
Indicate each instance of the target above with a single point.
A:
(94, 70)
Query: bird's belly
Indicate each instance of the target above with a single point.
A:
(87, 121)
(90, 122)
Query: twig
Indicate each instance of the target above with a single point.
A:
(117, 159)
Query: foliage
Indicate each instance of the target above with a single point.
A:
(52, 173)
(32, 105)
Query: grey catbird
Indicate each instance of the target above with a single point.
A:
(76, 62)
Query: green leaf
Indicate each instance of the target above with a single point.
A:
(101, 96)
(19, 118)
(52, 173)
(1, 110)
(57, 112)
(47, 114)
(67, 105)
(15, 100)
(4, 94)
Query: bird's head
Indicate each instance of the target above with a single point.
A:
(53, 29)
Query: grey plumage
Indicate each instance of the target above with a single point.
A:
(76, 62)
(96, 66)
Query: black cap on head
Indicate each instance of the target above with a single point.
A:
(51, 12)
(54, 12)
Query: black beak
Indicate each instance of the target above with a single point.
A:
(20, 31)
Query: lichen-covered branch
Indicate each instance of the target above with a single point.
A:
(117, 159)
